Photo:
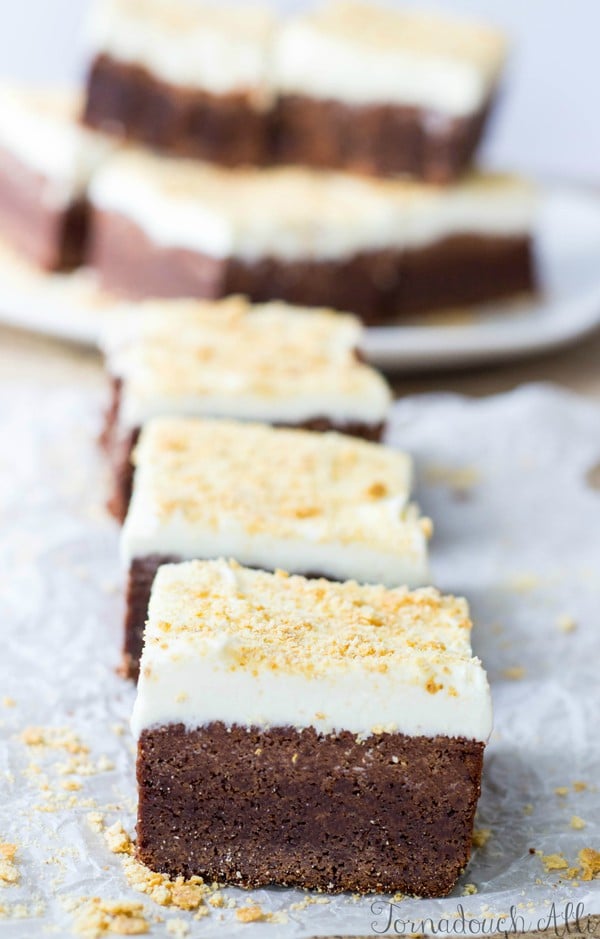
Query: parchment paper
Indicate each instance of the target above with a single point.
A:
(517, 532)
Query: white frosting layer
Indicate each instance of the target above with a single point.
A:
(40, 129)
(294, 214)
(193, 45)
(361, 53)
(253, 649)
(308, 503)
(274, 363)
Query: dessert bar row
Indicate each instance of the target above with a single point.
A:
(153, 226)
(349, 85)
(322, 728)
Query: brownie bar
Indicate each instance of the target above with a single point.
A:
(49, 235)
(376, 139)
(119, 444)
(378, 286)
(382, 814)
(306, 733)
(127, 100)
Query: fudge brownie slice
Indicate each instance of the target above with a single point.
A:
(275, 363)
(380, 91)
(46, 162)
(381, 249)
(316, 504)
(190, 79)
(308, 734)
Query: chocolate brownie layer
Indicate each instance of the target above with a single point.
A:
(294, 807)
(119, 444)
(378, 285)
(48, 234)
(127, 100)
(378, 140)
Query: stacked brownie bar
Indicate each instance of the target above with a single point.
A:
(377, 248)
(188, 78)
(349, 85)
(295, 120)
(315, 504)
(273, 363)
(46, 162)
(305, 733)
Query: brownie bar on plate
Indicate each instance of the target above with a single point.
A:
(189, 78)
(273, 363)
(381, 249)
(306, 733)
(46, 162)
(381, 91)
(315, 504)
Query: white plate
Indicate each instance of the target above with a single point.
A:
(568, 253)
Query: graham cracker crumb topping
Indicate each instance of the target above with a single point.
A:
(273, 481)
(256, 620)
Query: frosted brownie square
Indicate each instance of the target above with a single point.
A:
(317, 504)
(384, 91)
(381, 249)
(46, 162)
(188, 78)
(273, 363)
(306, 733)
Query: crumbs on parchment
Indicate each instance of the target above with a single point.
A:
(9, 872)
(95, 917)
(588, 867)
(514, 673)
(480, 837)
(566, 624)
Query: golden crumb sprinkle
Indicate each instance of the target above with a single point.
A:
(9, 873)
(307, 486)
(577, 823)
(566, 624)
(98, 917)
(562, 791)
(469, 890)
(250, 914)
(54, 738)
(590, 863)
(579, 786)
(554, 862)
(178, 928)
(183, 894)
(514, 673)
(257, 620)
(480, 837)
(270, 353)
(118, 840)
(8, 702)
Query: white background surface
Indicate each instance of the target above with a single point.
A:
(549, 121)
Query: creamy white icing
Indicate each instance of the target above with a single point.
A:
(292, 213)
(363, 53)
(40, 129)
(244, 647)
(195, 45)
(271, 362)
(271, 498)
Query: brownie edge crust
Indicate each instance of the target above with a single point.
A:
(329, 812)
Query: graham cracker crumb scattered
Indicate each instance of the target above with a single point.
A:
(469, 890)
(183, 894)
(8, 702)
(590, 863)
(579, 786)
(577, 823)
(9, 872)
(118, 840)
(481, 836)
(121, 917)
(95, 821)
(514, 673)
(54, 738)
(562, 791)
(566, 624)
(554, 862)
(250, 914)
(178, 928)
